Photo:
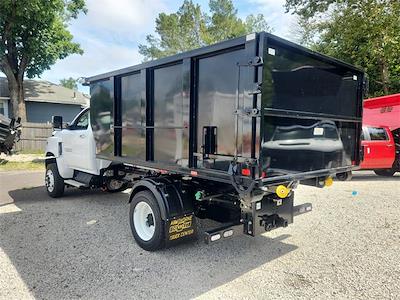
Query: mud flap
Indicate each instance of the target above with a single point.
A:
(180, 228)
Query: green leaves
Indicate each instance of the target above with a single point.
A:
(34, 34)
(363, 32)
(69, 83)
(190, 28)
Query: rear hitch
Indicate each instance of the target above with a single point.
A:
(271, 222)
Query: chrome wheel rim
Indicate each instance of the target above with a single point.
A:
(49, 180)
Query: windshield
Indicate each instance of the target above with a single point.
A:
(300, 132)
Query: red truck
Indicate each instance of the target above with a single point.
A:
(381, 135)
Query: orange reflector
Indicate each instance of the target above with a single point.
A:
(263, 174)
(193, 173)
(246, 172)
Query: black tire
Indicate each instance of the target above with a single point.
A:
(157, 241)
(385, 172)
(111, 189)
(344, 176)
(55, 188)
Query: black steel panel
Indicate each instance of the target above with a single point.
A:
(293, 145)
(171, 115)
(296, 81)
(218, 91)
(102, 115)
(311, 108)
(133, 117)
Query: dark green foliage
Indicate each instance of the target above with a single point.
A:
(365, 33)
(191, 28)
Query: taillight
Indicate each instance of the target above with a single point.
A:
(246, 172)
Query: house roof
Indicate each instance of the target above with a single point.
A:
(45, 91)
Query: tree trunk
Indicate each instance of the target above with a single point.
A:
(17, 98)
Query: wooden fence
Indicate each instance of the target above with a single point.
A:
(33, 137)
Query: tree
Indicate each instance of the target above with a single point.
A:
(362, 32)
(69, 83)
(191, 28)
(33, 36)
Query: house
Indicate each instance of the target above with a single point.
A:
(44, 99)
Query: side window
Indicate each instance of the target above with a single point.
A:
(82, 123)
(377, 134)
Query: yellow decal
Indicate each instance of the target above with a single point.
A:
(180, 228)
(181, 224)
(181, 234)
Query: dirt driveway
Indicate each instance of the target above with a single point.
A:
(348, 247)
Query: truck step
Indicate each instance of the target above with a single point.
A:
(83, 177)
(75, 183)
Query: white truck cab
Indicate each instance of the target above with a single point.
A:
(71, 159)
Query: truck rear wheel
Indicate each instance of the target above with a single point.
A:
(145, 221)
(385, 172)
(53, 181)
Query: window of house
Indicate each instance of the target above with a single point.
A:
(2, 110)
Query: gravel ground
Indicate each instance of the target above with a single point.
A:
(347, 248)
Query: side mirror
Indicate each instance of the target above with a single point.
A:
(57, 122)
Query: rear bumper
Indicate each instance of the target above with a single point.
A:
(305, 175)
(267, 214)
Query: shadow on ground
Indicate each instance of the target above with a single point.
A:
(371, 176)
(58, 255)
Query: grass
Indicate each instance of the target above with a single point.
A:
(36, 152)
(17, 166)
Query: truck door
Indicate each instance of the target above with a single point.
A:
(365, 142)
(78, 144)
(379, 149)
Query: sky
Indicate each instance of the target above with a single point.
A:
(111, 31)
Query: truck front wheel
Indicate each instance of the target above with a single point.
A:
(53, 181)
(145, 221)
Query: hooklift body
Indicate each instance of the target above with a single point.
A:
(226, 132)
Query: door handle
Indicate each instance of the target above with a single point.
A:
(82, 136)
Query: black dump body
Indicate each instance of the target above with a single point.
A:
(257, 109)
